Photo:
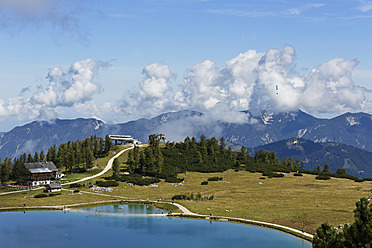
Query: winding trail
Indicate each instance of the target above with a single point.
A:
(106, 169)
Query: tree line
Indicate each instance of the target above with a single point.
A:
(211, 155)
(77, 156)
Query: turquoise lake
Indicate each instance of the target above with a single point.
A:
(110, 226)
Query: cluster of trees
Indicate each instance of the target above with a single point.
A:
(78, 156)
(207, 155)
(72, 156)
(210, 155)
(358, 234)
(13, 170)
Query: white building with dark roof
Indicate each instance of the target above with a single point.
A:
(42, 173)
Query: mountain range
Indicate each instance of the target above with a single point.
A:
(357, 162)
(353, 129)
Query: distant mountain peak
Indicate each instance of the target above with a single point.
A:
(350, 128)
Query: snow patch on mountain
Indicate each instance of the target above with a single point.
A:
(267, 118)
(164, 118)
(267, 138)
(352, 120)
(322, 140)
(301, 132)
(98, 125)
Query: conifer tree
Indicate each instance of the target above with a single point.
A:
(115, 167)
(52, 154)
(230, 153)
(30, 159)
(36, 157)
(193, 143)
(327, 168)
(222, 145)
(243, 153)
(19, 172)
(108, 145)
(5, 170)
(130, 162)
(187, 143)
(359, 234)
(42, 156)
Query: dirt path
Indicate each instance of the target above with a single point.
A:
(106, 169)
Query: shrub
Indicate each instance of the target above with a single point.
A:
(204, 183)
(358, 180)
(179, 197)
(75, 185)
(138, 179)
(323, 177)
(211, 197)
(76, 191)
(173, 180)
(40, 196)
(107, 183)
(215, 178)
(267, 173)
(277, 175)
(54, 194)
(297, 174)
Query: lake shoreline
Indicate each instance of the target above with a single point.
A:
(289, 230)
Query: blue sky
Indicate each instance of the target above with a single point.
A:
(122, 60)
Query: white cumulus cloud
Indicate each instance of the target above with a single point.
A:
(253, 81)
(65, 89)
(154, 88)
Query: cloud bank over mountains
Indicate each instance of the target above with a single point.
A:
(252, 80)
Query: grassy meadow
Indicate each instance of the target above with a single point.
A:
(300, 202)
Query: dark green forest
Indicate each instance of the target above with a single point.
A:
(77, 156)
(210, 155)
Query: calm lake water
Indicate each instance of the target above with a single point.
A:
(107, 226)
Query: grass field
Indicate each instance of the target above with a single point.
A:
(300, 202)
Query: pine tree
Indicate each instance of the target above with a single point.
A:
(326, 237)
(96, 147)
(5, 170)
(142, 163)
(230, 154)
(108, 145)
(101, 147)
(130, 162)
(194, 144)
(222, 145)
(327, 168)
(30, 159)
(89, 158)
(154, 140)
(61, 160)
(52, 154)
(115, 167)
(359, 234)
(42, 156)
(19, 172)
(36, 157)
(187, 143)
(243, 153)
